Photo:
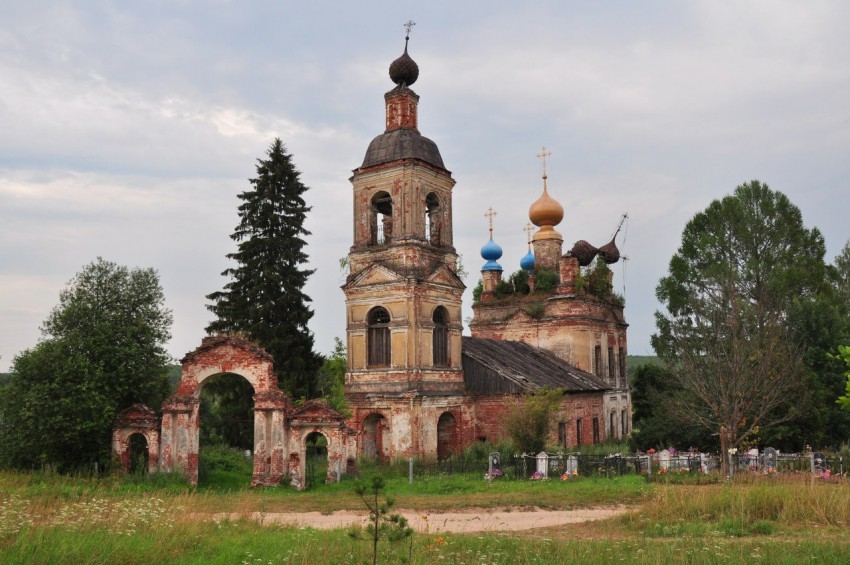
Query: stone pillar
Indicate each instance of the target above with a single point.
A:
(269, 431)
(179, 437)
(547, 250)
(569, 269)
(490, 280)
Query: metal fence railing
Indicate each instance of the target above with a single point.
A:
(555, 465)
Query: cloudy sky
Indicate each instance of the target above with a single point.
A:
(128, 128)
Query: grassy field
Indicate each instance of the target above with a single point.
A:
(54, 519)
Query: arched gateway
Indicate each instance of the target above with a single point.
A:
(278, 428)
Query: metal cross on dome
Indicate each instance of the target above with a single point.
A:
(528, 229)
(490, 214)
(409, 25)
(543, 154)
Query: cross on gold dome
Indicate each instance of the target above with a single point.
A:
(490, 214)
(543, 154)
(528, 229)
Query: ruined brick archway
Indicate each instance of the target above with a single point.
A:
(181, 412)
(315, 416)
(136, 420)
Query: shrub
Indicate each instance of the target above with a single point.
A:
(545, 279)
(527, 420)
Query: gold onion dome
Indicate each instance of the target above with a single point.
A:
(545, 213)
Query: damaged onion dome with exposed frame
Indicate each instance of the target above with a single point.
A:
(404, 70)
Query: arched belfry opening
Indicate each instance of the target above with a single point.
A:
(381, 218)
(433, 220)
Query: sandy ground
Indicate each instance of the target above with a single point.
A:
(470, 520)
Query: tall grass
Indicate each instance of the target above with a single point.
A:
(757, 505)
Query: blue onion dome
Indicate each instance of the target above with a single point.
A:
(491, 252)
(527, 262)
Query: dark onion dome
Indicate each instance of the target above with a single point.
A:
(490, 253)
(584, 252)
(399, 144)
(527, 262)
(404, 70)
(609, 252)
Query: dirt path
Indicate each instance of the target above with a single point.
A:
(471, 520)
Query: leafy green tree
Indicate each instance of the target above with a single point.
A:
(103, 350)
(527, 420)
(844, 355)
(265, 299)
(842, 273)
(331, 382)
(743, 265)
(655, 425)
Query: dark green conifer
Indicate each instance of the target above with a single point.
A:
(265, 299)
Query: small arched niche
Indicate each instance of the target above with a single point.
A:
(380, 218)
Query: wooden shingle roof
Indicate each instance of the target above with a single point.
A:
(492, 366)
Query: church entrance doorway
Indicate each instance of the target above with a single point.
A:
(375, 440)
(446, 436)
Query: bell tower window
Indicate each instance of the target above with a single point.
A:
(379, 347)
(433, 223)
(381, 219)
(441, 337)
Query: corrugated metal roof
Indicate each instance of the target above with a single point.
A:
(528, 367)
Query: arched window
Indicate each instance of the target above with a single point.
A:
(612, 431)
(379, 338)
(433, 223)
(381, 218)
(441, 337)
(624, 422)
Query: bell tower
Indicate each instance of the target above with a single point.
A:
(403, 294)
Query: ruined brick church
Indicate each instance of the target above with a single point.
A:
(415, 385)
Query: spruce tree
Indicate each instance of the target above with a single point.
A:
(264, 299)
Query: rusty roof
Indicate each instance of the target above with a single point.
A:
(402, 143)
(526, 367)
